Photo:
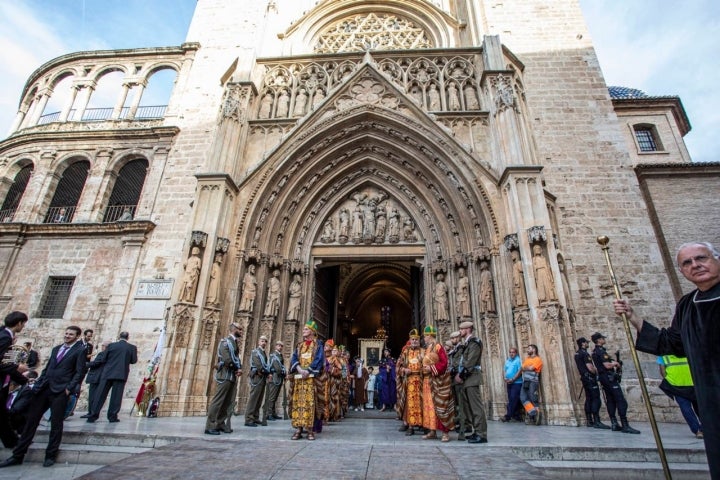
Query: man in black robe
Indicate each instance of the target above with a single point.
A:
(694, 333)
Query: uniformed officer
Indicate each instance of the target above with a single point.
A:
(259, 371)
(607, 373)
(462, 416)
(274, 382)
(469, 376)
(228, 369)
(588, 377)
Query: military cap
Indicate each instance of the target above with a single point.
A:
(263, 337)
(580, 341)
(466, 325)
(597, 336)
(454, 334)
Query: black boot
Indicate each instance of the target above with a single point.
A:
(590, 420)
(614, 426)
(626, 428)
(598, 423)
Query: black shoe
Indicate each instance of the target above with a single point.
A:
(615, 427)
(251, 424)
(410, 431)
(403, 428)
(271, 418)
(474, 438)
(212, 431)
(229, 430)
(12, 461)
(113, 420)
(629, 429)
(263, 423)
(504, 419)
(91, 420)
(601, 426)
(49, 462)
(87, 415)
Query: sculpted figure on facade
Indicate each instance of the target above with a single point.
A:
(344, 228)
(416, 95)
(519, 295)
(272, 303)
(487, 293)
(453, 99)
(318, 97)
(440, 298)
(283, 105)
(328, 233)
(191, 276)
(462, 295)
(380, 224)
(433, 99)
(394, 226)
(249, 290)
(471, 99)
(565, 284)
(213, 291)
(265, 106)
(295, 298)
(543, 276)
(300, 103)
(357, 225)
(409, 230)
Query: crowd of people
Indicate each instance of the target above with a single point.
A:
(27, 396)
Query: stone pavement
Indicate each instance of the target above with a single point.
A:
(364, 446)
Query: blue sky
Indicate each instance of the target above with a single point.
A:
(661, 47)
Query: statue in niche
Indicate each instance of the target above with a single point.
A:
(453, 99)
(272, 303)
(283, 105)
(213, 291)
(191, 276)
(440, 298)
(519, 295)
(249, 290)
(318, 97)
(394, 226)
(328, 234)
(295, 298)
(265, 106)
(409, 230)
(462, 295)
(487, 293)
(300, 103)
(471, 99)
(344, 228)
(565, 284)
(357, 226)
(543, 276)
(369, 222)
(416, 95)
(434, 99)
(380, 225)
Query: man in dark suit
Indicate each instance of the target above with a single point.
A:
(13, 324)
(92, 378)
(33, 358)
(87, 336)
(61, 377)
(118, 358)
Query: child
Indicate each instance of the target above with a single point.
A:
(370, 387)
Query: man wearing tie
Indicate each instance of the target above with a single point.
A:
(118, 358)
(60, 378)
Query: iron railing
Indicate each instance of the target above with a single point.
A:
(59, 214)
(101, 114)
(119, 213)
(6, 216)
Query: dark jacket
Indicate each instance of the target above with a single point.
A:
(9, 368)
(65, 375)
(95, 368)
(118, 358)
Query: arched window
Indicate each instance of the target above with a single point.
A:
(126, 192)
(67, 194)
(14, 195)
(371, 31)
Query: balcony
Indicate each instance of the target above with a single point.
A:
(101, 114)
(59, 214)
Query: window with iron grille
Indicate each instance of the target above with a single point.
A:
(645, 139)
(12, 199)
(56, 297)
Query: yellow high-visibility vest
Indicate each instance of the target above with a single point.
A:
(677, 371)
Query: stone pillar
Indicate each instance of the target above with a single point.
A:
(89, 208)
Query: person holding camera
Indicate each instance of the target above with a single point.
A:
(227, 371)
(259, 371)
(469, 376)
(607, 370)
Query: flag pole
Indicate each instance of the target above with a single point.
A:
(604, 241)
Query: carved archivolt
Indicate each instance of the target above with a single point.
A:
(372, 32)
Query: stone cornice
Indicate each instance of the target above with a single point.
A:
(643, 170)
(26, 230)
(674, 104)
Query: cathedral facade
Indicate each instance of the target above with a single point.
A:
(375, 165)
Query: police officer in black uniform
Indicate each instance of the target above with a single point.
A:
(607, 373)
(588, 377)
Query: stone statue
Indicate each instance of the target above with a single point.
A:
(487, 293)
(357, 226)
(409, 230)
(566, 285)
(328, 234)
(519, 295)
(213, 291)
(295, 294)
(344, 228)
(380, 225)
(440, 299)
(434, 99)
(543, 277)
(191, 276)
(319, 97)
(249, 290)
(453, 99)
(416, 95)
(369, 222)
(265, 106)
(394, 226)
(462, 295)
(300, 103)
(272, 303)
(471, 100)
(283, 105)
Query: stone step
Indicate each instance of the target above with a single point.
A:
(612, 470)
(74, 454)
(609, 454)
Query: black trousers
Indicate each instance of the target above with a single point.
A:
(105, 386)
(592, 395)
(613, 396)
(7, 434)
(44, 399)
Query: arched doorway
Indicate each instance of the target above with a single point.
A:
(371, 299)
